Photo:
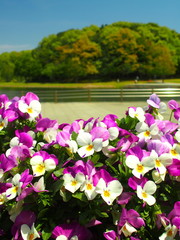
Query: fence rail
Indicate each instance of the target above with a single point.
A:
(77, 95)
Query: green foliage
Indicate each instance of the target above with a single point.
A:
(119, 50)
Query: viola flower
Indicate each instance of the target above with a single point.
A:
(71, 231)
(3, 123)
(129, 221)
(15, 188)
(73, 178)
(161, 161)
(139, 166)
(25, 217)
(111, 235)
(28, 233)
(146, 192)
(30, 105)
(109, 188)
(137, 113)
(146, 132)
(170, 233)
(49, 129)
(88, 145)
(175, 151)
(63, 138)
(41, 162)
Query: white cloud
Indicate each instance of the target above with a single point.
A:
(10, 48)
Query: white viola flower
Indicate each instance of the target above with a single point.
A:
(139, 167)
(3, 123)
(109, 191)
(127, 229)
(137, 113)
(33, 109)
(160, 162)
(40, 166)
(28, 233)
(146, 192)
(170, 233)
(71, 183)
(88, 146)
(146, 132)
(73, 147)
(177, 135)
(89, 189)
(175, 151)
(158, 177)
(15, 210)
(114, 132)
(3, 198)
(16, 187)
(40, 185)
(50, 134)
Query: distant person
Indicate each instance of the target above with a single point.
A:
(136, 79)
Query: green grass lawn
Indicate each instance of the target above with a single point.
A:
(111, 84)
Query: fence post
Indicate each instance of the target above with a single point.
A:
(89, 95)
(55, 96)
(121, 94)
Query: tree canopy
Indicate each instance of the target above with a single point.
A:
(119, 50)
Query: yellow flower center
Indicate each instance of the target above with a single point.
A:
(29, 110)
(173, 152)
(73, 183)
(144, 195)
(147, 134)
(89, 147)
(1, 124)
(89, 186)
(169, 233)
(1, 200)
(157, 163)
(31, 236)
(15, 189)
(140, 168)
(40, 168)
(106, 193)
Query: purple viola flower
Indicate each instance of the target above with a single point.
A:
(154, 101)
(25, 217)
(134, 182)
(174, 168)
(100, 132)
(7, 163)
(111, 235)
(177, 114)
(71, 231)
(174, 215)
(132, 217)
(20, 153)
(44, 123)
(129, 221)
(172, 104)
(124, 198)
(22, 138)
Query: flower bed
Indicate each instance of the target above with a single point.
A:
(94, 179)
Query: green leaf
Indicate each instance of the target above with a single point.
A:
(57, 186)
(101, 214)
(46, 235)
(95, 158)
(80, 196)
(58, 172)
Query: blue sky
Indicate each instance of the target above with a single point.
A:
(24, 23)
